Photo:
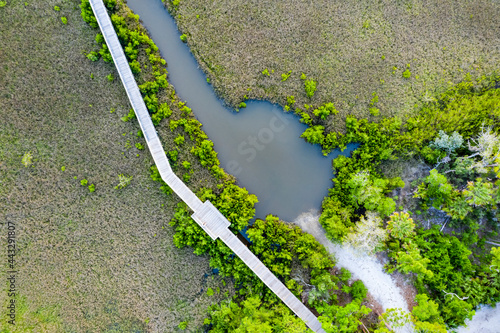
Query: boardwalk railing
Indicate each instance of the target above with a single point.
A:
(205, 214)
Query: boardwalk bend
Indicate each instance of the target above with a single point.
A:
(205, 214)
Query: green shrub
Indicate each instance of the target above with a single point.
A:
(135, 66)
(56, 8)
(91, 188)
(129, 116)
(374, 111)
(105, 54)
(183, 37)
(266, 72)
(407, 74)
(27, 159)
(93, 56)
(173, 155)
(64, 20)
(314, 134)
(285, 76)
(305, 118)
(84, 182)
(345, 275)
(179, 140)
(139, 146)
(242, 105)
(124, 181)
(110, 77)
(310, 87)
(325, 110)
(358, 290)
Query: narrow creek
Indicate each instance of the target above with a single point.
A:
(260, 145)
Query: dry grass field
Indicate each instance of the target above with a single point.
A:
(87, 262)
(351, 48)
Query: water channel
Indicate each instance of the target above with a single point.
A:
(260, 145)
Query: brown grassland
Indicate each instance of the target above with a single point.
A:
(351, 48)
(87, 262)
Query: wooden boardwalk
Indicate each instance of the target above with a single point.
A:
(205, 214)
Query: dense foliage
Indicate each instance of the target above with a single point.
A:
(457, 134)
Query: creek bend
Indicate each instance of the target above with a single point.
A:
(260, 145)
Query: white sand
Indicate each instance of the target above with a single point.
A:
(362, 266)
(486, 320)
(380, 284)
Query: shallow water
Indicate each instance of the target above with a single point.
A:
(260, 145)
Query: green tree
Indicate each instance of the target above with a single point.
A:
(336, 318)
(458, 208)
(400, 225)
(369, 193)
(479, 193)
(435, 189)
(411, 260)
(426, 310)
(368, 234)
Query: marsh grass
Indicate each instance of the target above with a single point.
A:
(102, 261)
(351, 48)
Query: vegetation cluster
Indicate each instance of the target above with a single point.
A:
(457, 137)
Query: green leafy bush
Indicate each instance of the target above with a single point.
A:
(285, 76)
(310, 87)
(314, 134)
(325, 110)
(358, 290)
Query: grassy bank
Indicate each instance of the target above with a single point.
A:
(403, 51)
(100, 261)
